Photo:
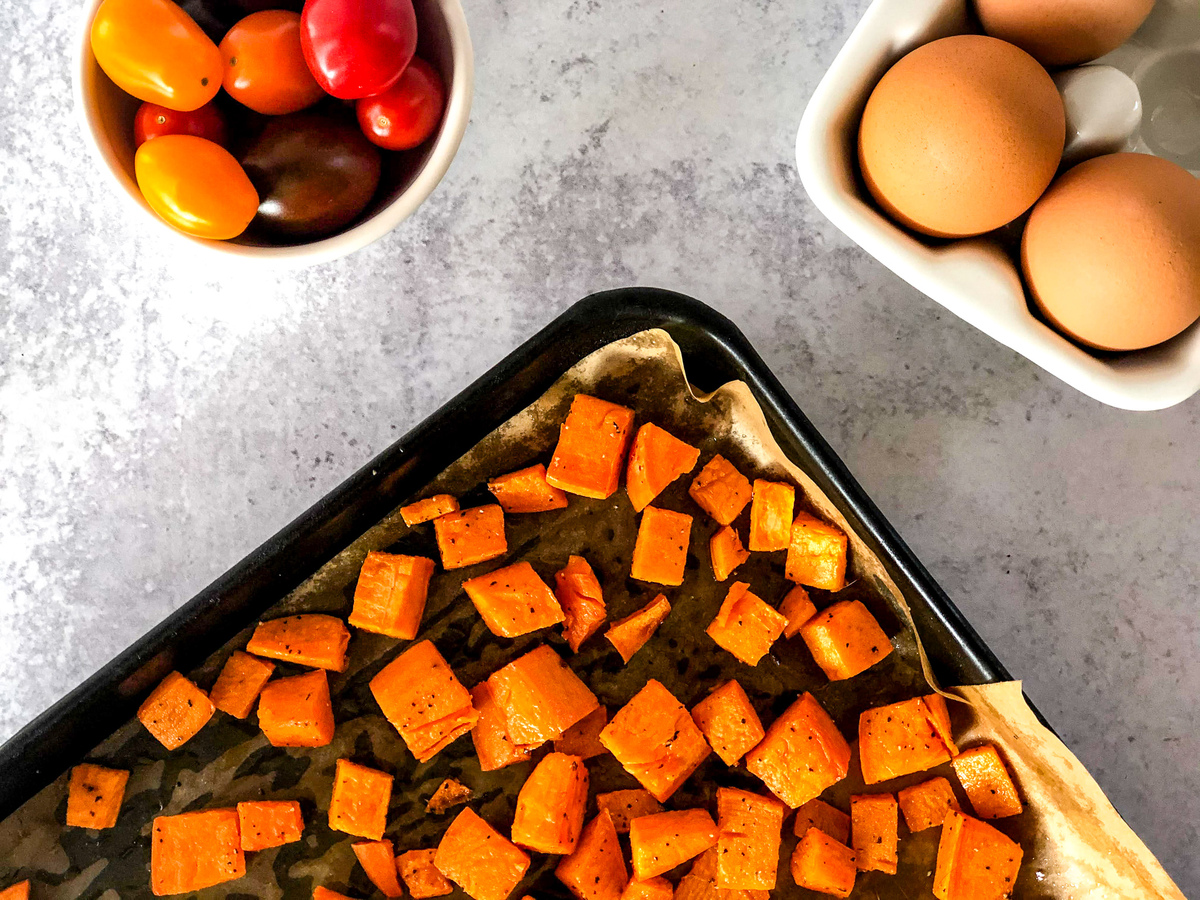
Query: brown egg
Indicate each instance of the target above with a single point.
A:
(1063, 32)
(961, 136)
(1111, 253)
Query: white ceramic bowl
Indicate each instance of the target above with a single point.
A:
(107, 112)
(977, 279)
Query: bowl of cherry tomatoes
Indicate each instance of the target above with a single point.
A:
(287, 130)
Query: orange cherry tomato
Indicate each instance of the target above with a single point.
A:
(264, 65)
(153, 50)
(195, 185)
(406, 114)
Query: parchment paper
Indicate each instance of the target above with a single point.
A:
(1076, 846)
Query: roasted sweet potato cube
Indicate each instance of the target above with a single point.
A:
(657, 888)
(721, 490)
(583, 738)
(320, 892)
(195, 850)
(728, 722)
(746, 625)
(749, 830)
(975, 861)
(579, 595)
(427, 510)
(312, 639)
(630, 634)
(845, 640)
(18, 891)
(829, 819)
(175, 711)
(662, 841)
(591, 448)
(449, 794)
(514, 600)
(94, 796)
(479, 859)
(541, 696)
(726, 552)
(927, 804)
(656, 459)
(390, 595)
(421, 876)
(660, 552)
(797, 607)
(493, 745)
(424, 700)
(551, 804)
(596, 870)
(625, 806)
(819, 863)
(470, 536)
(241, 680)
(874, 829)
(802, 754)
(816, 554)
(985, 778)
(655, 739)
(360, 799)
(269, 823)
(700, 883)
(903, 738)
(378, 860)
(771, 515)
(297, 711)
(527, 491)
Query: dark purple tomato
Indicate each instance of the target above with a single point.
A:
(314, 174)
(357, 48)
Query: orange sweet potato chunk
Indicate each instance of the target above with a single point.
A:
(596, 870)
(845, 640)
(479, 859)
(470, 536)
(297, 711)
(18, 891)
(903, 738)
(771, 515)
(625, 806)
(657, 888)
(656, 459)
(749, 831)
(195, 850)
(820, 815)
(655, 739)
(390, 595)
(660, 552)
(728, 722)
(241, 680)
(313, 639)
(424, 700)
(551, 804)
(816, 554)
(819, 863)
(269, 823)
(541, 696)
(449, 794)
(360, 800)
(874, 832)
(421, 876)
(493, 745)
(514, 600)
(320, 892)
(721, 490)
(631, 633)
(94, 796)
(746, 625)
(591, 448)
(527, 491)
(175, 711)
(927, 804)
(428, 509)
(579, 595)
(583, 738)
(797, 607)
(662, 841)
(985, 778)
(726, 552)
(802, 754)
(379, 862)
(975, 861)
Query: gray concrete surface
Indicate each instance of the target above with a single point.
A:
(158, 419)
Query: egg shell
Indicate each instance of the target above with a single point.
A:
(1111, 253)
(1063, 32)
(961, 136)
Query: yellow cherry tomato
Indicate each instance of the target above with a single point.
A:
(195, 185)
(153, 50)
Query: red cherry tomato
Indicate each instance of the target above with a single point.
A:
(154, 121)
(406, 114)
(264, 68)
(356, 48)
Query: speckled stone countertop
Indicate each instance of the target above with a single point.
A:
(159, 418)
